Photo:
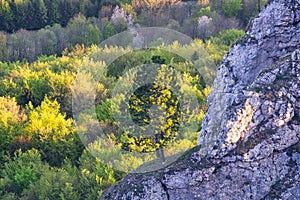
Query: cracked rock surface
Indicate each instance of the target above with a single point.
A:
(249, 146)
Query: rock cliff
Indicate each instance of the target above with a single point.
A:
(249, 145)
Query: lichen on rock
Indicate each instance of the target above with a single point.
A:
(249, 146)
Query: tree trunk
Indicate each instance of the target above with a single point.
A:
(160, 155)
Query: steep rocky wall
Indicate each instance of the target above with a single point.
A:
(273, 34)
(249, 145)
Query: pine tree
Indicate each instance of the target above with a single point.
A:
(53, 14)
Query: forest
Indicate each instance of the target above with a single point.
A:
(45, 149)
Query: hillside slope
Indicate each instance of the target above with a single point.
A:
(249, 145)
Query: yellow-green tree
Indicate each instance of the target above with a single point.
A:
(156, 109)
(53, 134)
(154, 4)
(11, 123)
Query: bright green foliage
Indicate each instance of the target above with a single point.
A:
(207, 12)
(230, 8)
(35, 112)
(139, 57)
(216, 52)
(147, 97)
(53, 184)
(35, 85)
(110, 152)
(45, 128)
(32, 82)
(21, 171)
(10, 112)
(94, 176)
(103, 111)
(54, 133)
(61, 86)
(11, 124)
(227, 37)
(80, 31)
(217, 46)
(93, 35)
(109, 30)
(28, 177)
(46, 121)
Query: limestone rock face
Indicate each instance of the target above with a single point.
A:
(249, 146)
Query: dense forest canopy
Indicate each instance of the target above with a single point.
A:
(36, 14)
(43, 46)
(35, 28)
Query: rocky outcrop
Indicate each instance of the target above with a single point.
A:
(249, 145)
